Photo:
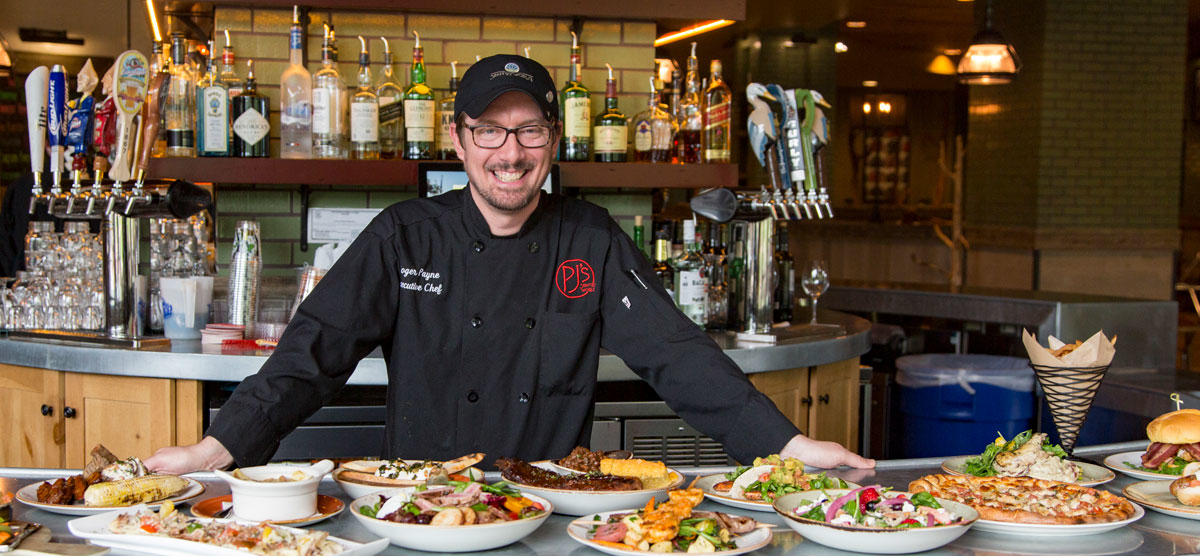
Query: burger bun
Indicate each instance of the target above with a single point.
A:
(1187, 487)
(1176, 427)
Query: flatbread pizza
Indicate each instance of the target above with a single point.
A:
(1028, 500)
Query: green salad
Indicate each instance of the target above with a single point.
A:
(1173, 466)
(983, 464)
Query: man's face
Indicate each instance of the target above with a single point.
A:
(508, 178)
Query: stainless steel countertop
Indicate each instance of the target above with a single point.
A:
(800, 346)
(1155, 533)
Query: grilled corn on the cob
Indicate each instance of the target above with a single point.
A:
(134, 491)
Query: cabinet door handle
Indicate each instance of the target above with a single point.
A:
(806, 400)
(69, 412)
(823, 398)
(47, 410)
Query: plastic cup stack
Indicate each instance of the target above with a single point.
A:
(245, 269)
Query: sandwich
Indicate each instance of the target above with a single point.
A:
(1187, 487)
(1174, 441)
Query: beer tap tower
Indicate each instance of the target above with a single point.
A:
(119, 210)
(788, 131)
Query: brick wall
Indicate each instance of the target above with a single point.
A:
(262, 34)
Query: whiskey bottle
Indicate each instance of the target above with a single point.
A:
(390, 107)
(691, 294)
(662, 269)
(716, 116)
(653, 131)
(181, 102)
(212, 112)
(785, 285)
(229, 75)
(295, 98)
(691, 117)
(418, 110)
(639, 235)
(611, 130)
(445, 118)
(251, 114)
(576, 111)
(329, 115)
(364, 111)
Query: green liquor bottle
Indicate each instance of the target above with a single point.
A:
(251, 115)
(576, 111)
(212, 112)
(611, 131)
(418, 110)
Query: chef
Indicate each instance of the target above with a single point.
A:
(491, 304)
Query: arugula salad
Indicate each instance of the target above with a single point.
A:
(876, 507)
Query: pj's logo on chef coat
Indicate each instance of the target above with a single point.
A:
(575, 278)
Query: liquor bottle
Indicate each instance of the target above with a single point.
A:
(445, 118)
(735, 279)
(181, 102)
(716, 116)
(653, 131)
(418, 109)
(329, 115)
(212, 112)
(639, 235)
(229, 75)
(390, 108)
(785, 284)
(160, 63)
(295, 98)
(717, 312)
(611, 131)
(673, 110)
(690, 293)
(691, 116)
(662, 269)
(364, 111)
(251, 114)
(576, 110)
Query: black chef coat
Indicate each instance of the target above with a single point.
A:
(492, 343)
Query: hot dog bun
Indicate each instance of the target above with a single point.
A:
(1187, 487)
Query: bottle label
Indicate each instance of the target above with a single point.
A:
(418, 120)
(716, 155)
(611, 139)
(296, 113)
(577, 122)
(294, 42)
(389, 110)
(643, 137)
(445, 121)
(235, 91)
(691, 294)
(364, 122)
(215, 103)
(418, 134)
(321, 110)
(716, 115)
(251, 126)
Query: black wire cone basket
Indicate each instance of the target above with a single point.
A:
(1069, 393)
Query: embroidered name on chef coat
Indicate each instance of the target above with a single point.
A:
(421, 280)
(575, 279)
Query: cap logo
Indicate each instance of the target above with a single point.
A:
(549, 96)
(512, 67)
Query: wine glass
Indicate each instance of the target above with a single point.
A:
(815, 281)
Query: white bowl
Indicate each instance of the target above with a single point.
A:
(584, 502)
(448, 538)
(873, 541)
(358, 489)
(255, 500)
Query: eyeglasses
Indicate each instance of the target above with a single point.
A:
(494, 136)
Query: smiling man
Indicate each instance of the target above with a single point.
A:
(491, 305)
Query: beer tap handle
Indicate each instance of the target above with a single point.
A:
(36, 95)
(150, 123)
(129, 85)
(825, 201)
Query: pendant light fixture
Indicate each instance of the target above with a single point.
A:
(990, 60)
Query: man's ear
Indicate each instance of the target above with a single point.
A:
(458, 147)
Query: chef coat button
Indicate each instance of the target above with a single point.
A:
(529, 323)
(472, 396)
(533, 247)
(524, 397)
(477, 246)
(476, 321)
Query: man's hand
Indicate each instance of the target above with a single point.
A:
(206, 455)
(823, 454)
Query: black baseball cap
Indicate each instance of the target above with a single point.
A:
(493, 76)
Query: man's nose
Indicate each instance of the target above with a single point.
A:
(511, 149)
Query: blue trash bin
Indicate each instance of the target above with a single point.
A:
(955, 404)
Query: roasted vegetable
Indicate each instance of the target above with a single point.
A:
(134, 491)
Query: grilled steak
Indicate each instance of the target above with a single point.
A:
(520, 472)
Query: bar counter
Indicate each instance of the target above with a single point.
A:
(1155, 533)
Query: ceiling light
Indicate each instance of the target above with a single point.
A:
(866, 108)
(154, 20)
(788, 43)
(840, 47)
(941, 65)
(990, 60)
(688, 31)
(757, 44)
(952, 51)
(870, 83)
(856, 24)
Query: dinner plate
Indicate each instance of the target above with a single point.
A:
(448, 538)
(580, 530)
(327, 507)
(95, 529)
(28, 495)
(1044, 530)
(1157, 496)
(1125, 540)
(1117, 462)
(586, 502)
(872, 540)
(707, 482)
(1092, 474)
(355, 488)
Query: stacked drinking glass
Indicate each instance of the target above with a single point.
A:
(245, 268)
(62, 286)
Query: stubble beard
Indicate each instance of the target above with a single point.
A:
(509, 201)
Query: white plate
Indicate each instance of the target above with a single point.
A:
(447, 538)
(749, 542)
(95, 529)
(1122, 541)
(873, 541)
(28, 495)
(358, 489)
(1043, 530)
(1117, 462)
(1157, 496)
(581, 502)
(1092, 474)
(707, 483)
